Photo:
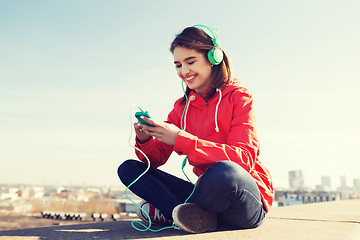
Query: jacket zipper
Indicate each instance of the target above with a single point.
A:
(204, 118)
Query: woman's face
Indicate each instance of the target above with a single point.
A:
(193, 68)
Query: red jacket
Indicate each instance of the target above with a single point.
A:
(223, 128)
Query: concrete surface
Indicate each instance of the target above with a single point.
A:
(328, 220)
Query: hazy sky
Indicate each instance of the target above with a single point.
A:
(71, 70)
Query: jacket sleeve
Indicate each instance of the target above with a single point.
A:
(157, 152)
(241, 145)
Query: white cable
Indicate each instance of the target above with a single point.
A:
(216, 111)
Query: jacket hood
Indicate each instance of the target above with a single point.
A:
(232, 85)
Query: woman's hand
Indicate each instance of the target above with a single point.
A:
(164, 132)
(140, 133)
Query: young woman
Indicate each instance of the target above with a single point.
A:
(214, 125)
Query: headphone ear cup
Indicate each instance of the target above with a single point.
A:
(215, 56)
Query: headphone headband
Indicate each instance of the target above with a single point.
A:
(215, 55)
(210, 32)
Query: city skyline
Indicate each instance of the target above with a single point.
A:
(341, 182)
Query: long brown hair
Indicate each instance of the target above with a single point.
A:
(197, 39)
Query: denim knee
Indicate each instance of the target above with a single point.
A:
(226, 172)
(128, 171)
(223, 181)
(233, 173)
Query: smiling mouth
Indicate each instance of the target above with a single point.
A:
(190, 79)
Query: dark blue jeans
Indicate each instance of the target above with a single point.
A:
(225, 189)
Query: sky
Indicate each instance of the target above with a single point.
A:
(72, 73)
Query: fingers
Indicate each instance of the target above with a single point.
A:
(147, 129)
(142, 129)
(152, 122)
(140, 133)
(137, 127)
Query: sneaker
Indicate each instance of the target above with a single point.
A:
(191, 218)
(155, 215)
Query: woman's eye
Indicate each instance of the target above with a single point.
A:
(177, 66)
(191, 62)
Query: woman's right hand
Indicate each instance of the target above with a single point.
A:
(140, 134)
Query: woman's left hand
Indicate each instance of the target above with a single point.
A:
(164, 132)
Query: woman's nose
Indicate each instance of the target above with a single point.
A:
(185, 70)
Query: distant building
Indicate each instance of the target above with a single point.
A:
(296, 180)
(346, 191)
(326, 183)
(295, 197)
(357, 185)
(343, 182)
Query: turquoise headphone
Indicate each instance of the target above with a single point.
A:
(215, 55)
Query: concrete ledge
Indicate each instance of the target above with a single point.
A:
(328, 220)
